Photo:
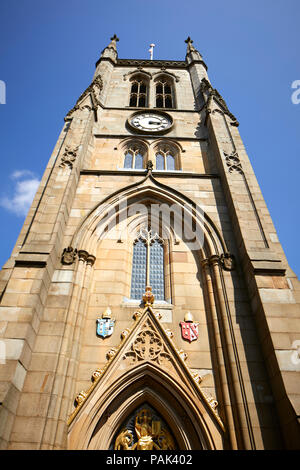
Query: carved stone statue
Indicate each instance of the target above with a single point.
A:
(150, 434)
(69, 255)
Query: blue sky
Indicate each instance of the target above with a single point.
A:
(48, 52)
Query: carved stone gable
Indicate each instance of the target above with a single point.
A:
(144, 343)
(148, 346)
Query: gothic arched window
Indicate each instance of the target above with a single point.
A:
(164, 93)
(138, 93)
(134, 157)
(148, 266)
(165, 159)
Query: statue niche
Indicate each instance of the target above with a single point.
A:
(144, 430)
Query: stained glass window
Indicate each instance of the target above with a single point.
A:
(134, 157)
(139, 267)
(138, 163)
(165, 160)
(148, 248)
(160, 162)
(170, 162)
(157, 270)
(128, 160)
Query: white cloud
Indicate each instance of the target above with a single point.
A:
(18, 174)
(26, 185)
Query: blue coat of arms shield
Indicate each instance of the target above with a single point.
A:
(105, 327)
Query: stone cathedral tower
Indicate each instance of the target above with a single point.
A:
(148, 303)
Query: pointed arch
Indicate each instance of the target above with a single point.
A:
(167, 155)
(138, 71)
(166, 73)
(165, 95)
(159, 378)
(147, 384)
(134, 153)
(148, 189)
(139, 90)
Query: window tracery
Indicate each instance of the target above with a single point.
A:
(134, 157)
(138, 93)
(148, 266)
(166, 158)
(164, 93)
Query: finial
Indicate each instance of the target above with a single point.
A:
(188, 317)
(148, 296)
(149, 165)
(111, 50)
(114, 38)
(189, 42)
(107, 313)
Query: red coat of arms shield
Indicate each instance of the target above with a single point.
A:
(189, 331)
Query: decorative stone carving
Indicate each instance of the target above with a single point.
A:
(233, 162)
(90, 260)
(82, 255)
(125, 333)
(97, 374)
(113, 43)
(227, 261)
(197, 377)
(149, 165)
(214, 95)
(111, 353)
(169, 333)
(147, 346)
(152, 63)
(68, 157)
(69, 255)
(137, 315)
(80, 398)
(211, 400)
(148, 296)
(182, 354)
(150, 433)
(94, 89)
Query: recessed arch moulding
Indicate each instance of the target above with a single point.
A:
(134, 387)
(140, 372)
(134, 201)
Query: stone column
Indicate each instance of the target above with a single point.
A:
(219, 361)
(271, 284)
(55, 431)
(235, 380)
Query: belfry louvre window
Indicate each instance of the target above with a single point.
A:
(148, 266)
(164, 94)
(138, 93)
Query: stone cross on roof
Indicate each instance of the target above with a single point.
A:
(189, 42)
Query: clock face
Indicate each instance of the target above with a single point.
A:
(150, 122)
